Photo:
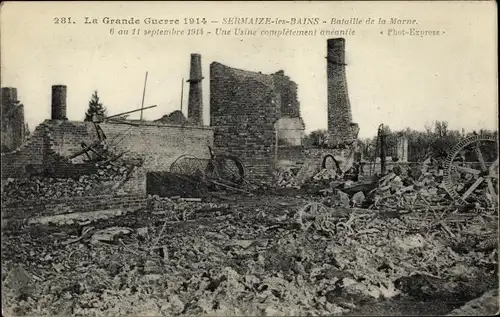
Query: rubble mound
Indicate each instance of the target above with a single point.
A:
(107, 179)
(264, 255)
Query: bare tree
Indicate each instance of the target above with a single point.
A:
(317, 138)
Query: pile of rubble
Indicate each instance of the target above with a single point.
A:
(404, 189)
(285, 177)
(183, 209)
(408, 190)
(245, 259)
(39, 187)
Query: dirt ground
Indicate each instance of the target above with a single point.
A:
(256, 256)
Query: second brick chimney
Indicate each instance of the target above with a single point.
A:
(195, 102)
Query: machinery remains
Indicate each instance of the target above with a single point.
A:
(471, 171)
(99, 151)
(219, 170)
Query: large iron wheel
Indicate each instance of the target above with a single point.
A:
(226, 168)
(188, 165)
(471, 172)
(330, 163)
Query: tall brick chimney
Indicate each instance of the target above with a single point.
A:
(59, 102)
(195, 102)
(339, 107)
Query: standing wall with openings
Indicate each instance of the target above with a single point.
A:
(245, 108)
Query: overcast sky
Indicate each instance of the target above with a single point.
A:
(399, 81)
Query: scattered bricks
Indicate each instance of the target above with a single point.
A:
(110, 234)
(143, 232)
(99, 183)
(20, 281)
(358, 199)
(51, 207)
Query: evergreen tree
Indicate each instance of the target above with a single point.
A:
(95, 107)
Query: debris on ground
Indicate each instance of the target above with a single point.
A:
(271, 255)
(339, 243)
(108, 176)
(110, 234)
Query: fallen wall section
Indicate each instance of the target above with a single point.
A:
(26, 210)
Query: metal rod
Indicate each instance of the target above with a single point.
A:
(84, 150)
(182, 92)
(276, 144)
(144, 93)
(382, 151)
(126, 112)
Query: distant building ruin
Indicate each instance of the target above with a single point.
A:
(13, 126)
(340, 126)
(402, 149)
(254, 116)
(175, 117)
(159, 142)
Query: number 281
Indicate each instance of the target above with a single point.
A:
(63, 20)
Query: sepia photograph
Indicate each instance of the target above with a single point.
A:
(249, 158)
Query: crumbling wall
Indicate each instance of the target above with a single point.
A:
(290, 131)
(175, 117)
(157, 144)
(290, 105)
(244, 106)
(291, 154)
(12, 132)
(30, 152)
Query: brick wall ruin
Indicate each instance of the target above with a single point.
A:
(13, 128)
(158, 144)
(244, 107)
(45, 154)
(290, 105)
(290, 131)
(175, 117)
(340, 126)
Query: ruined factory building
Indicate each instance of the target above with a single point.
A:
(175, 117)
(54, 142)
